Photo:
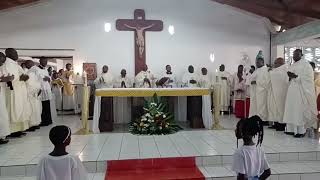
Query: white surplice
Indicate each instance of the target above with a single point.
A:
(4, 118)
(259, 93)
(139, 79)
(172, 81)
(34, 87)
(300, 107)
(18, 105)
(277, 93)
(122, 105)
(205, 82)
(225, 89)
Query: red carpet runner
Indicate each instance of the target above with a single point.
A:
(154, 169)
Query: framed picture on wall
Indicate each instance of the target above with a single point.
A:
(91, 70)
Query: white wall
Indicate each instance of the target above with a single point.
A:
(202, 27)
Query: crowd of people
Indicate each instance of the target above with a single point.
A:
(26, 99)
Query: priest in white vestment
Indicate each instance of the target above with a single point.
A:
(46, 93)
(144, 79)
(34, 91)
(4, 118)
(259, 93)
(17, 100)
(205, 82)
(277, 93)
(300, 108)
(68, 89)
(105, 79)
(57, 85)
(190, 79)
(223, 79)
(122, 105)
(168, 79)
(238, 88)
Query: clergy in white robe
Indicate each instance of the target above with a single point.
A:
(57, 85)
(46, 93)
(104, 105)
(223, 79)
(259, 93)
(68, 89)
(34, 90)
(300, 107)
(18, 105)
(190, 79)
(4, 118)
(205, 82)
(278, 87)
(144, 79)
(167, 79)
(238, 87)
(122, 105)
(78, 81)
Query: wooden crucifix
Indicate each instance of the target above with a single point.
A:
(139, 25)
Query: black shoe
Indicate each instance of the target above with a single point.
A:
(299, 135)
(289, 133)
(36, 127)
(32, 129)
(4, 141)
(15, 135)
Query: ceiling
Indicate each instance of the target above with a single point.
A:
(6, 4)
(287, 13)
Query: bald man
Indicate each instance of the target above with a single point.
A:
(278, 87)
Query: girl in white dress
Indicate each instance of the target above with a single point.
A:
(59, 165)
(249, 161)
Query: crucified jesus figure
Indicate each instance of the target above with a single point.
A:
(140, 38)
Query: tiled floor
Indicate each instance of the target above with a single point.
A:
(213, 149)
(96, 176)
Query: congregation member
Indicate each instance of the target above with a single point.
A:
(259, 93)
(300, 107)
(18, 105)
(277, 93)
(122, 105)
(190, 79)
(168, 79)
(57, 85)
(4, 118)
(239, 94)
(34, 91)
(248, 89)
(223, 79)
(46, 93)
(144, 79)
(205, 82)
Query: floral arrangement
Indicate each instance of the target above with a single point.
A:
(156, 120)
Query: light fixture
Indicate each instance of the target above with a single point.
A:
(212, 57)
(107, 27)
(171, 30)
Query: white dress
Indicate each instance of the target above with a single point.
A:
(66, 167)
(205, 82)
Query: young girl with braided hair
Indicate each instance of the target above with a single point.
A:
(249, 161)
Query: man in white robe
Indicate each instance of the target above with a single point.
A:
(4, 118)
(205, 82)
(259, 93)
(46, 93)
(300, 108)
(122, 105)
(57, 85)
(190, 79)
(248, 89)
(105, 79)
(18, 105)
(223, 79)
(144, 79)
(238, 88)
(34, 91)
(168, 79)
(277, 93)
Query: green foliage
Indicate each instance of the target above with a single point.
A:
(156, 120)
